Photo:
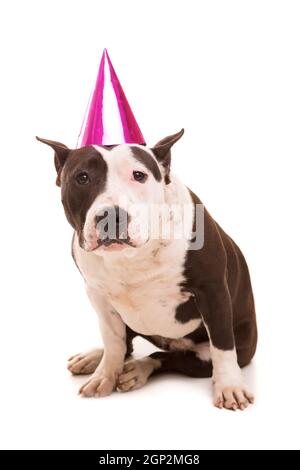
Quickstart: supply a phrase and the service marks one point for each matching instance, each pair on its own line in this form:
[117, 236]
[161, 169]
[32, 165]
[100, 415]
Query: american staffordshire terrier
[195, 304]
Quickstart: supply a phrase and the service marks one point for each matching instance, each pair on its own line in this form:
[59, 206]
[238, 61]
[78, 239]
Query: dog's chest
[149, 306]
[146, 291]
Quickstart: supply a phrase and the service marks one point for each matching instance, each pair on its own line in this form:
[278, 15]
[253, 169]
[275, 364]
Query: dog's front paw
[232, 397]
[98, 386]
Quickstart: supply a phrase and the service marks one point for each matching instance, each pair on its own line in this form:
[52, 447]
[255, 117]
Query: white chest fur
[143, 284]
[144, 288]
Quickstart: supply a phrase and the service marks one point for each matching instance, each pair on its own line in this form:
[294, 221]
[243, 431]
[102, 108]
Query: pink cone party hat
[109, 119]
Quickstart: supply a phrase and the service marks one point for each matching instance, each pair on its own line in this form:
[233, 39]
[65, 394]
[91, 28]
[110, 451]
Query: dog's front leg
[216, 309]
[113, 330]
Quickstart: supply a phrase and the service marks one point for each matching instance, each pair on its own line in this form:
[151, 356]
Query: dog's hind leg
[137, 372]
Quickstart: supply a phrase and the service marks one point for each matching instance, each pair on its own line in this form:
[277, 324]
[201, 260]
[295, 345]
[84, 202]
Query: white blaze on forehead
[121, 161]
[117, 158]
[110, 155]
[124, 152]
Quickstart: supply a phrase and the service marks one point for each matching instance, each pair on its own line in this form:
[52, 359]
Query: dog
[195, 305]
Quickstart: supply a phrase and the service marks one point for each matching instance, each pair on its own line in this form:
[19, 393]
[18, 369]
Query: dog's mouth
[116, 243]
[95, 242]
[111, 228]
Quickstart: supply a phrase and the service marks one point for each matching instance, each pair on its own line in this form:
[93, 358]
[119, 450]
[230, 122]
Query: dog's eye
[139, 176]
[83, 178]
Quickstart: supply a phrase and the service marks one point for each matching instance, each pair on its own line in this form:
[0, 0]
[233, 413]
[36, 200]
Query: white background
[227, 71]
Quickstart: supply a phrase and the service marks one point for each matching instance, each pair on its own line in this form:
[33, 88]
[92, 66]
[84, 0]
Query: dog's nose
[111, 223]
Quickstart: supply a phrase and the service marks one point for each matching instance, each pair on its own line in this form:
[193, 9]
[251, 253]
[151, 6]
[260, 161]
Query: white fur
[142, 284]
[229, 389]
[136, 373]
[123, 191]
[113, 330]
[144, 289]
[202, 351]
[226, 370]
[86, 362]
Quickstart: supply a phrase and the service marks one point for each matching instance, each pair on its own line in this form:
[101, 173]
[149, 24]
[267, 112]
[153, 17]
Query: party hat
[109, 119]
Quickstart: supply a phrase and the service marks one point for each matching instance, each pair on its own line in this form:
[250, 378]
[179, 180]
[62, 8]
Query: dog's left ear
[162, 151]
[60, 157]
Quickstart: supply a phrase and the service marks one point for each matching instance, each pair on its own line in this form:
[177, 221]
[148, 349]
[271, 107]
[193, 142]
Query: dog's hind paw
[135, 374]
[85, 363]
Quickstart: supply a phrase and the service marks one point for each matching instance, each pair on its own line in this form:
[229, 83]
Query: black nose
[112, 224]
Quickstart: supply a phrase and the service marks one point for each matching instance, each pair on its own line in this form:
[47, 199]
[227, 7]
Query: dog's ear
[162, 151]
[60, 157]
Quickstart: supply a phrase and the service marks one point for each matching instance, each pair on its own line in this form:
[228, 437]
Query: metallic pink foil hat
[109, 119]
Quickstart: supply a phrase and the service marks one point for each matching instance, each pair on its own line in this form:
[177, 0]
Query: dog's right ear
[60, 157]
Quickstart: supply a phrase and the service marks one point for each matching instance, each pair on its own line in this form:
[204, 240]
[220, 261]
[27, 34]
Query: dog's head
[105, 189]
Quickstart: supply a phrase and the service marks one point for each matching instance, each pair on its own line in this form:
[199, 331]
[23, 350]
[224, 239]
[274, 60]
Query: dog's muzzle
[112, 226]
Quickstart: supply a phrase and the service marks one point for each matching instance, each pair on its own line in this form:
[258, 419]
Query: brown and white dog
[195, 305]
